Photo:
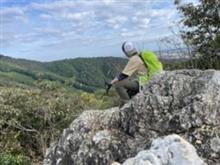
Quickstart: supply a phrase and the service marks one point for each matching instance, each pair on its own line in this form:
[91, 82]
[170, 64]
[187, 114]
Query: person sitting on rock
[145, 64]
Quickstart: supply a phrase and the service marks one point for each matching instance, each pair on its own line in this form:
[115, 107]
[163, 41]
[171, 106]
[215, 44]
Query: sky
[48, 30]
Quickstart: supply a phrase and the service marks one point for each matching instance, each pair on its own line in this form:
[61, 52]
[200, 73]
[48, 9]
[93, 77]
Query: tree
[202, 29]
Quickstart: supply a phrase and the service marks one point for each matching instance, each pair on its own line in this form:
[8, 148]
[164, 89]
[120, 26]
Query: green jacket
[154, 66]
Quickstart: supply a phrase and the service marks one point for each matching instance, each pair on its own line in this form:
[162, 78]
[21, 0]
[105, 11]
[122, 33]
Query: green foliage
[190, 64]
[16, 77]
[10, 159]
[33, 118]
[216, 42]
[87, 74]
[38, 100]
[202, 23]
[48, 85]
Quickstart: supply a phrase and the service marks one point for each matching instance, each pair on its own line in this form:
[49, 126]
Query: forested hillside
[87, 74]
[38, 100]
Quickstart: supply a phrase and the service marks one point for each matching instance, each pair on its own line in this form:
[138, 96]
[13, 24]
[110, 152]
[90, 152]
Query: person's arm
[115, 80]
[129, 69]
[122, 76]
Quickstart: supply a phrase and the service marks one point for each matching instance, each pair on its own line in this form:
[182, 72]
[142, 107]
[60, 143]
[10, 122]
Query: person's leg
[132, 92]
[123, 86]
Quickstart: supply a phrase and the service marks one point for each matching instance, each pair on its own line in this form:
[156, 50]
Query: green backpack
[153, 65]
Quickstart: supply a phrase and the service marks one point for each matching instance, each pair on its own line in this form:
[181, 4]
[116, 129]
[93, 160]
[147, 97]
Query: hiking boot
[122, 103]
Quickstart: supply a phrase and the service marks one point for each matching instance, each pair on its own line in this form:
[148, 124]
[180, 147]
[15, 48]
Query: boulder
[171, 150]
[183, 102]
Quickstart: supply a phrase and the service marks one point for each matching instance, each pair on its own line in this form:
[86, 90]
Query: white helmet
[129, 49]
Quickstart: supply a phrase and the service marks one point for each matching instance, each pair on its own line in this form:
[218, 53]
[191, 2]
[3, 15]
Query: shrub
[32, 118]
[10, 159]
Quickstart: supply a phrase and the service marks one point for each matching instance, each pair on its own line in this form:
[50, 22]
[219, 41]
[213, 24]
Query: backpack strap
[144, 64]
[143, 60]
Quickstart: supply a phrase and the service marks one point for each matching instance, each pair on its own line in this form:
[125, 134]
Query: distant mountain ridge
[87, 74]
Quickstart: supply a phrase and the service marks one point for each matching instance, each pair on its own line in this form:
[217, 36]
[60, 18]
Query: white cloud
[12, 14]
[195, 2]
[134, 18]
[82, 22]
[80, 16]
[54, 6]
[75, 14]
[51, 31]
[108, 2]
[124, 29]
[162, 12]
[144, 23]
[32, 37]
[11, 11]
[69, 34]
[117, 21]
[46, 16]
[127, 34]
[115, 14]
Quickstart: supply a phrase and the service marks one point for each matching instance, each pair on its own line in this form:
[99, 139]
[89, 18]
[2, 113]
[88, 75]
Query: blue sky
[47, 30]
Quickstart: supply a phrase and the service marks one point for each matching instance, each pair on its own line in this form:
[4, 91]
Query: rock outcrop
[184, 102]
[171, 150]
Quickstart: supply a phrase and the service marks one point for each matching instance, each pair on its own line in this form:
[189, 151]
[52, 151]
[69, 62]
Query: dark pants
[126, 88]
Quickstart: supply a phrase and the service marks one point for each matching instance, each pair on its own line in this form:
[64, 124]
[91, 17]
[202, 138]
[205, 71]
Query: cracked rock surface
[184, 102]
[171, 150]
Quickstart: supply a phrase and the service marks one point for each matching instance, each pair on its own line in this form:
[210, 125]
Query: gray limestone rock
[184, 102]
[171, 150]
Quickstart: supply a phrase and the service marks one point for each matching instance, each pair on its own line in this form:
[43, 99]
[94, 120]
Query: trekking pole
[107, 87]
